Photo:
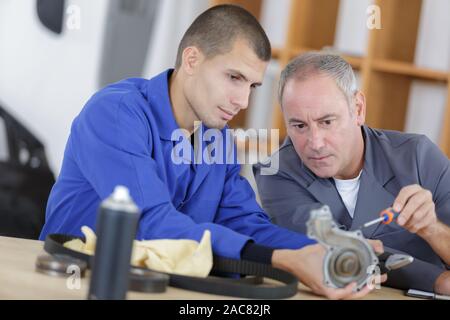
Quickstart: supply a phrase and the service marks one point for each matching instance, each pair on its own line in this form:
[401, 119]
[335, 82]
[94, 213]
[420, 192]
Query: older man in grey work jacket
[330, 157]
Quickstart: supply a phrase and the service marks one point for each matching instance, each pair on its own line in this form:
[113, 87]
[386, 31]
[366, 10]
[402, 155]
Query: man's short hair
[310, 64]
[215, 31]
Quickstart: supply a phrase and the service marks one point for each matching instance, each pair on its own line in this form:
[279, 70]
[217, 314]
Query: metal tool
[426, 295]
[386, 217]
[349, 258]
[397, 261]
[144, 280]
[59, 265]
[393, 261]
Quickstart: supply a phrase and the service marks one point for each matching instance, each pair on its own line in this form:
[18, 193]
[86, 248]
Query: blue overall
[124, 136]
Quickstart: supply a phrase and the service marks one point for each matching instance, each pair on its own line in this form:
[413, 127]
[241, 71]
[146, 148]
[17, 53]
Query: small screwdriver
[386, 216]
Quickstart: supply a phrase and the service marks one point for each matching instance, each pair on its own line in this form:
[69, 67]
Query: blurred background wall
[45, 77]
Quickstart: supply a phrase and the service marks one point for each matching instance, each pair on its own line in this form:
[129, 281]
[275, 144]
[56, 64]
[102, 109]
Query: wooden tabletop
[19, 280]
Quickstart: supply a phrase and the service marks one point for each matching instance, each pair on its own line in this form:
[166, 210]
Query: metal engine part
[349, 257]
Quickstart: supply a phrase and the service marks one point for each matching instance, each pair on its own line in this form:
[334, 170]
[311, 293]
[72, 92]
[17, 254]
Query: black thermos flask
[116, 227]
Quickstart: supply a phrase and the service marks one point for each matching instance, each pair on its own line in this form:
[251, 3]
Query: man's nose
[241, 98]
[316, 139]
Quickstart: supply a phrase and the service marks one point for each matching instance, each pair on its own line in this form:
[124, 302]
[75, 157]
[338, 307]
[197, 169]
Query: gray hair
[313, 63]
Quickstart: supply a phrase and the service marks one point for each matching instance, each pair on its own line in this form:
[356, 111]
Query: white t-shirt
[348, 189]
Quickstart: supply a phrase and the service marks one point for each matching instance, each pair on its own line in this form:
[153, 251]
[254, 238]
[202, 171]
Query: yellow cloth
[184, 257]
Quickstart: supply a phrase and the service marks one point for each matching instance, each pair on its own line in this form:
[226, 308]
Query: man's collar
[374, 158]
[162, 109]
[159, 99]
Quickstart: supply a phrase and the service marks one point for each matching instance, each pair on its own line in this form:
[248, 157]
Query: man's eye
[233, 77]
[300, 126]
[327, 122]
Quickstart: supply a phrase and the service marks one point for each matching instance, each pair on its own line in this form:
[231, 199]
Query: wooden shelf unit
[409, 69]
[387, 69]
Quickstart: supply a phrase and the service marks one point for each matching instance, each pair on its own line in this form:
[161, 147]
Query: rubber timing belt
[249, 287]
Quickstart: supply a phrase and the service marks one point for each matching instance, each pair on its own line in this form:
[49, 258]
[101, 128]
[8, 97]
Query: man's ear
[191, 59]
[360, 108]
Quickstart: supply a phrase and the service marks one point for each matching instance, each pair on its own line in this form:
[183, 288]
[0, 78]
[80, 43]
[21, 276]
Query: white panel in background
[426, 109]
[275, 19]
[45, 79]
[4, 147]
[173, 19]
[351, 27]
[433, 41]
[427, 100]
[259, 114]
